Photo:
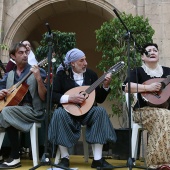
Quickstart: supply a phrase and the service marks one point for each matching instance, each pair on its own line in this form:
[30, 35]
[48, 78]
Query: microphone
[143, 50]
[48, 28]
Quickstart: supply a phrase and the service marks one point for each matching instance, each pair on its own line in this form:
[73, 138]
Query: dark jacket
[63, 83]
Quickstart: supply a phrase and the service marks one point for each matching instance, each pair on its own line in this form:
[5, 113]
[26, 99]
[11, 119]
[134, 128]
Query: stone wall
[14, 13]
[21, 19]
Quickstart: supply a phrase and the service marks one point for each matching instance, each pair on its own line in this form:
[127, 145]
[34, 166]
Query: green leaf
[111, 42]
[61, 43]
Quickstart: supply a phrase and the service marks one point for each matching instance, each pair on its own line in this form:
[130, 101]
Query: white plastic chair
[34, 141]
[2, 135]
[135, 130]
[85, 148]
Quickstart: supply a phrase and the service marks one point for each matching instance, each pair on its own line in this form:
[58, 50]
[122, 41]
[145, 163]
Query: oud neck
[95, 84]
[167, 80]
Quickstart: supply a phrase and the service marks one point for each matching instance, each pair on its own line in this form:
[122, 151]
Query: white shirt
[78, 78]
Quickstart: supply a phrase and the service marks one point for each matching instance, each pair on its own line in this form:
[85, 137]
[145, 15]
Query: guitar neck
[95, 84]
[30, 72]
[25, 77]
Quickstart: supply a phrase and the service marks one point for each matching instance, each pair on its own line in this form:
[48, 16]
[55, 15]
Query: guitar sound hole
[86, 95]
[78, 105]
[156, 95]
[163, 85]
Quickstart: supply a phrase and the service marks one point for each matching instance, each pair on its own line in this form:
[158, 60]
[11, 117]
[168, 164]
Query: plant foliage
[4, 47]
[112, 41]
[61, 43]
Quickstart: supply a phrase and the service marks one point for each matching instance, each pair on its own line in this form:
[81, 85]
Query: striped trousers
[65, 129]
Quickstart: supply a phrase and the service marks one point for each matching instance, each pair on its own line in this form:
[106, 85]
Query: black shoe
[101, 164]
[64, 162]
[133, 161]
[10, 163]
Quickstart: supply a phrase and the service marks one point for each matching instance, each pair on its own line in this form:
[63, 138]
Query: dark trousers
[13, 136]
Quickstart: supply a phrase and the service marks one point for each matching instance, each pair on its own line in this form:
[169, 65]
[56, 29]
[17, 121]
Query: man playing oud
[65, 128]
[30, 108]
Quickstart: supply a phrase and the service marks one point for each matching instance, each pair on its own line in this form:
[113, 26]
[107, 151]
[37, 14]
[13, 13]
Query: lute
[88, 92]
[160, 98]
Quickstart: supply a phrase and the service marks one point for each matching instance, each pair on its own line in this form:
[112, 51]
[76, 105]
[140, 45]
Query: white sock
[97, 151]
[64, 152]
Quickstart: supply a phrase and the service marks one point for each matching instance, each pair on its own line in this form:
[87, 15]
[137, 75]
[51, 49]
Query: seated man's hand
[107, 80]
[36, 71]
[3, 93]
[76, 98]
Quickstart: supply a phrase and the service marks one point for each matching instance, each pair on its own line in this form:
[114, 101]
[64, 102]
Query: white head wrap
[71, 56]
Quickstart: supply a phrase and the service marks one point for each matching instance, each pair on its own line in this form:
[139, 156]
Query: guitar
[160, 98]
[18, 91]
[88, 92]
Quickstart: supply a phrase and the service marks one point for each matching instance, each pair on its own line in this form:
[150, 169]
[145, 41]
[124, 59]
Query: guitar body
[15, 97]
[79, 110]
[18, 91]
[158, 99]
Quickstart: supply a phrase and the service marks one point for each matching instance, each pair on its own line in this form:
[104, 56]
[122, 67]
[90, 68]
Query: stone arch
[24, 12]
[34, 12]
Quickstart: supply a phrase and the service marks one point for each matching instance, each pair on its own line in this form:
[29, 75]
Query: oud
[88, 92]
[160, 98]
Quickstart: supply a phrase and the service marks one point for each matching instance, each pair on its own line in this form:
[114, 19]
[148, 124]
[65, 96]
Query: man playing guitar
[30, 96]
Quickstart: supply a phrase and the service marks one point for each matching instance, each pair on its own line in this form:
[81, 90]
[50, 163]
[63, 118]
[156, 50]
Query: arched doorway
[80, 17]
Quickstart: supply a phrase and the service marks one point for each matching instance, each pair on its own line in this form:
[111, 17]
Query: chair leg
[34, 143]
[134, 142]
[85, 144]
[2, 135]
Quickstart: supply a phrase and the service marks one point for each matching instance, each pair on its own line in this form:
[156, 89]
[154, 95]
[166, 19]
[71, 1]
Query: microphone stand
[129, 37]
[45, 160]
[129, 163]
[0, 75]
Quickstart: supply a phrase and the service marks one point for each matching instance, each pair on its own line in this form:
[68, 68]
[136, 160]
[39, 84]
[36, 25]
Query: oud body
[80, 109]
[160, 98]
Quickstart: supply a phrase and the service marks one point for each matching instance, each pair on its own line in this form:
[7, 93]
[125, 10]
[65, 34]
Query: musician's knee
[100, 112]
[59, 113]
[5, 110]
